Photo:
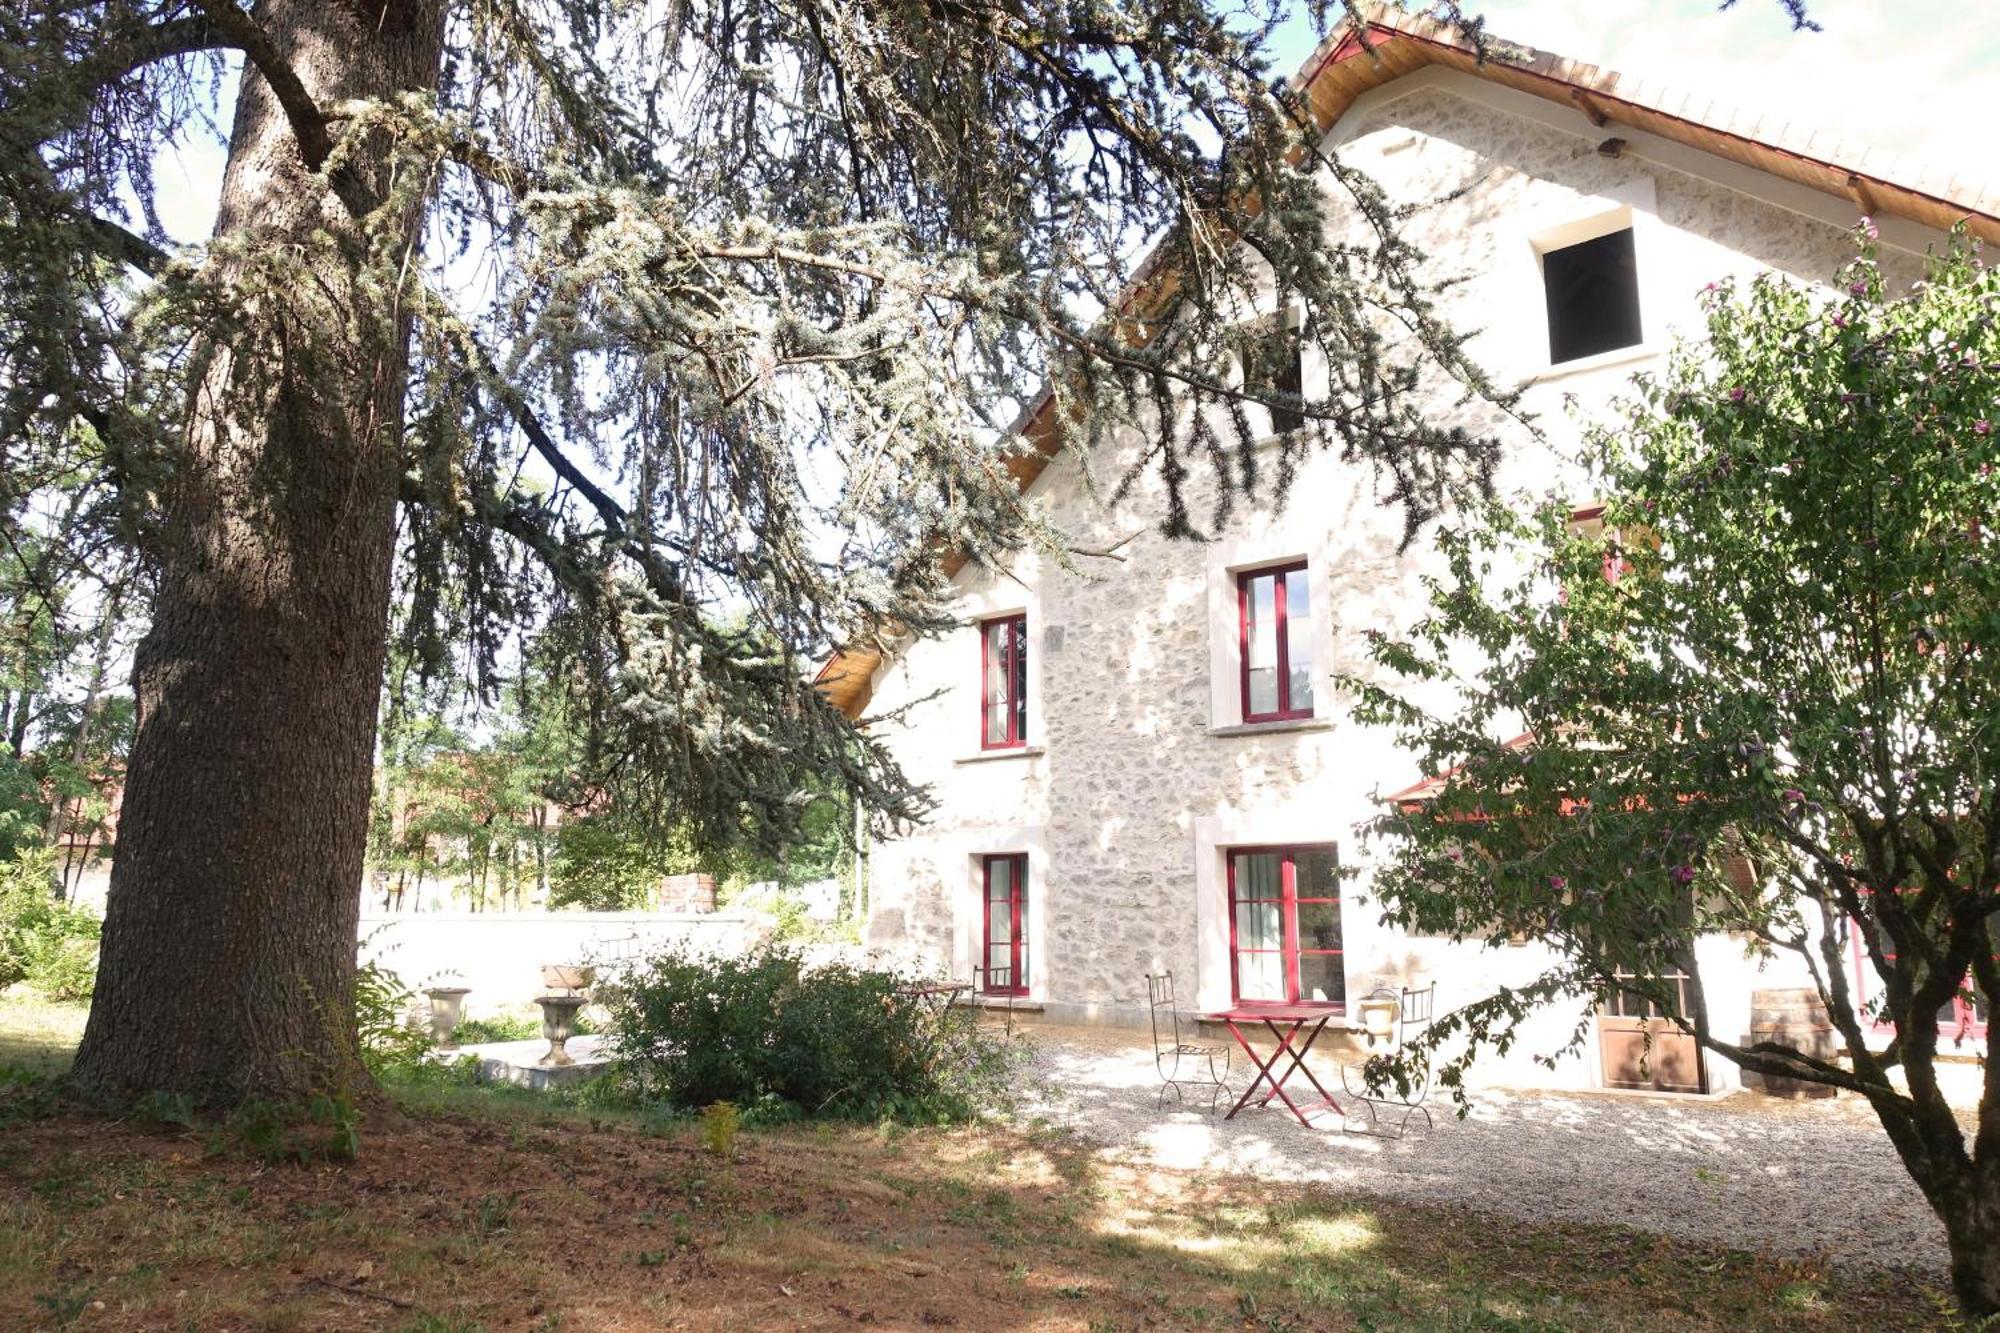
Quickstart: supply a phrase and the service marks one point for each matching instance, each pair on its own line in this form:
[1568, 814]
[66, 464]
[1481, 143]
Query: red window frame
[1965, 1023]
[1286, 710]
[1288, 925]
[1017, 923]
[1014, 663]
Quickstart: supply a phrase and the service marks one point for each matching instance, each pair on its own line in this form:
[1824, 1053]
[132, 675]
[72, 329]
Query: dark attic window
[1273, 360]
[1593, 295]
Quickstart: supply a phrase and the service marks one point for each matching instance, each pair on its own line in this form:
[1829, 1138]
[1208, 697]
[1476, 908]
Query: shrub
[325, 1129]
[512, 1027]
[718, 1127]
[44, 941]
[389, 1039]
[497, 1027]
[780, 1040]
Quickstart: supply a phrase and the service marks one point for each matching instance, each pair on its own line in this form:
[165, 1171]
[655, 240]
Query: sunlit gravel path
[1746, 1172]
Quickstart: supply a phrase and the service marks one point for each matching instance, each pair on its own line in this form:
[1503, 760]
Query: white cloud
[1911, 77]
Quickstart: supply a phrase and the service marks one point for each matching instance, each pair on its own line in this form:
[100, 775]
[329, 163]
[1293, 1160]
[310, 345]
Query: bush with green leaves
[44, 941]
[780, 1040]
[324, 1129]
[389, 1039]
[512, 1027]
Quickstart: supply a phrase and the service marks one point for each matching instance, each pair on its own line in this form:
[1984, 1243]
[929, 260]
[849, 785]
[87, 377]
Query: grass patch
[40, 1035]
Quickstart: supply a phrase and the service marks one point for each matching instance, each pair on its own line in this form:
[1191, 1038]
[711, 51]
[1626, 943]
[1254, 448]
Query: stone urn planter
[1378, 1018]
[571, 977]
[447, 1009]
[1794, 1017]
[558, 1024]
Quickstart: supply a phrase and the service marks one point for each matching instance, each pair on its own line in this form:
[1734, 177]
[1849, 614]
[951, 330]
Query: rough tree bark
[229, 938]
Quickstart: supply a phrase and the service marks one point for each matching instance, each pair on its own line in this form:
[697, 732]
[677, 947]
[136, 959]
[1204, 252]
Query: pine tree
[682, 336]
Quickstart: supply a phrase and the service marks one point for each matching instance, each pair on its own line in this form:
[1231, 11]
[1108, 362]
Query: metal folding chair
[995, 983]
[1413, 1011]
[1172, 1050]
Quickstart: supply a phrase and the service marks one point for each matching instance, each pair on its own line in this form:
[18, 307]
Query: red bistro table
[1272, 1016]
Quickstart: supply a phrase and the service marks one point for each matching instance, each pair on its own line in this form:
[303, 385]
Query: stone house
[1125, 753]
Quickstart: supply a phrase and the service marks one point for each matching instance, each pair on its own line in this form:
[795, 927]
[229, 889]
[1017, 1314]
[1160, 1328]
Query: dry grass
[500, 1219]
[481, 1209]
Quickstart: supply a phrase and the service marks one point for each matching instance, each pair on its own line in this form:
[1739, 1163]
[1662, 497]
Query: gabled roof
[1395, 43]
[1418, 794]
[1398, 43]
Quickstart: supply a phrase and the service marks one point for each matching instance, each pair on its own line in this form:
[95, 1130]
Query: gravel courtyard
[1788, 1177]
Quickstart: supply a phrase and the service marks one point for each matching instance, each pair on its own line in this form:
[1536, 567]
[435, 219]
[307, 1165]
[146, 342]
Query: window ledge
[1021, 1003]
[1282, 724]
[1617, 356]
[1006, 752]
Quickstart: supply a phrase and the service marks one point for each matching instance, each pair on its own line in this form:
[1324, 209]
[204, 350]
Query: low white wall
[499, 955]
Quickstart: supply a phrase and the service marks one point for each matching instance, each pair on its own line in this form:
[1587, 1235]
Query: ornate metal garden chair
[1409, 1012]
[1181, 1062]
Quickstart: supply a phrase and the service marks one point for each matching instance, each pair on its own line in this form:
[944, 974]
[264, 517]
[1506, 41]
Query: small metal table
[934, 1001]
[934, 997]
[1284, 1022]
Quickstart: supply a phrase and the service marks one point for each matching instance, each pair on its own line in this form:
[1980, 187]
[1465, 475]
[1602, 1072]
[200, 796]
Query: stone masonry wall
[1127, 794]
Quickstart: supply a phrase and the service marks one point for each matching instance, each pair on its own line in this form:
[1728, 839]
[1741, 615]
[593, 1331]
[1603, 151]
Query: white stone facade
[1138, 777]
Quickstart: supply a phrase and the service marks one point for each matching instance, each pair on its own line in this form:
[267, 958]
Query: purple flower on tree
[1683, 873]
[1558, 883]
[1738, 394]
[1982, 427]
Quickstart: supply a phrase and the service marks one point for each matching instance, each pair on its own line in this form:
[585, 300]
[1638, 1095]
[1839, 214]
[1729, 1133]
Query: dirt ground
[478, 1212]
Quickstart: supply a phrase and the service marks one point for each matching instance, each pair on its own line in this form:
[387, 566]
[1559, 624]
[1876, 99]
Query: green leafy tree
[604, 865]
[43, 941]
[63, 625]
[1781, 654]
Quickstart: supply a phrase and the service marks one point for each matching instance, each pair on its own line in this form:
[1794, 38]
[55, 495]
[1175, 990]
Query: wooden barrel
[1795, 1017]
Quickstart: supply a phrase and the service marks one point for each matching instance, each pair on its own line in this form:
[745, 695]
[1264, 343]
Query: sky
[1916, 77]
[1919, 77]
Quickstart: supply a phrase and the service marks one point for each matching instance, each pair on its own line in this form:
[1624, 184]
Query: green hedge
[782, 1040]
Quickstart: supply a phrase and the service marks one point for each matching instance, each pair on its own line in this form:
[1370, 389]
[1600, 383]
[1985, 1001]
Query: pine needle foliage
[722, 318]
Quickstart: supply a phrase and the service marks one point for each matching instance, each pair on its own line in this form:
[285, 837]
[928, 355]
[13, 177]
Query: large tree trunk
[229, 936]
[1973, 1239]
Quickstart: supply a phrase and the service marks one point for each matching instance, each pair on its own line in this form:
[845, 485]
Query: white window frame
[1215, 836]
[964, 648]
[968, 908]
[1313, 376]
[1632, 206]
